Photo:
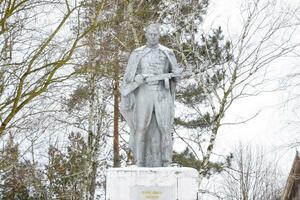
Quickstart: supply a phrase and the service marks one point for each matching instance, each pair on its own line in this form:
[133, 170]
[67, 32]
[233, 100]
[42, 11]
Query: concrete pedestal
[161, 183]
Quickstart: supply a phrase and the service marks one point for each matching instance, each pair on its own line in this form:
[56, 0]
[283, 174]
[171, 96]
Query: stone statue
[147, 100]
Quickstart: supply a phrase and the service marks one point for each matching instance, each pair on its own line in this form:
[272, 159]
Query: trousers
[154, 119]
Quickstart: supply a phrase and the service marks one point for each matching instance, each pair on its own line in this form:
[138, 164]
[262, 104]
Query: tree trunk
[116, 117]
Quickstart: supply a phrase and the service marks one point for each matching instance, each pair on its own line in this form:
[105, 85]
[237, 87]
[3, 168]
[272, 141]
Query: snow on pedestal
[161, 183]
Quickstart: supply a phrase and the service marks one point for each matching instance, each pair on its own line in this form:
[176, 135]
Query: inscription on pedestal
[154, 193]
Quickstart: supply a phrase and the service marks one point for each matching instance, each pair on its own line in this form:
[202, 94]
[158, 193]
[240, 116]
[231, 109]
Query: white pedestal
[161, 183]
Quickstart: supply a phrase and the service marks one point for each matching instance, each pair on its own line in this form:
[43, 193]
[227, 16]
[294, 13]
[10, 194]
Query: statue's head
[152, 34]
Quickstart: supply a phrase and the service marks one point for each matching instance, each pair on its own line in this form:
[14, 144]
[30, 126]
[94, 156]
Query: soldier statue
[147, 100]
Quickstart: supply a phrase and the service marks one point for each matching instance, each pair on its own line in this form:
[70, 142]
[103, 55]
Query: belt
[154, 87]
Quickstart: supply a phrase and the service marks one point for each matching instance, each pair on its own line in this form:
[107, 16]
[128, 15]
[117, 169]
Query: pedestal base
[161, 183]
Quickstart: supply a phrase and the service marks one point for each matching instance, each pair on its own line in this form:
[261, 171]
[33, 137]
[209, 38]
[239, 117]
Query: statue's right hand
[139, 79]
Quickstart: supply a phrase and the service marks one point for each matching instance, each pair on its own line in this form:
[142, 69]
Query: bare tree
[34, 56]
[253, 175]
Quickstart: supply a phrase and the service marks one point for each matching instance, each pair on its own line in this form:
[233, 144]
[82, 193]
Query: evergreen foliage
[18, 178]
[65, 171]
[188, 159]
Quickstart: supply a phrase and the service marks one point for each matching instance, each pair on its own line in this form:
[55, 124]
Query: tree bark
[116, 117]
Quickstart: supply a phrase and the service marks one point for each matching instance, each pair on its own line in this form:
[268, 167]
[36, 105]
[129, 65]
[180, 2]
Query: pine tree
[66, 170]
[188, 159]
[17, 181]
[195, 94]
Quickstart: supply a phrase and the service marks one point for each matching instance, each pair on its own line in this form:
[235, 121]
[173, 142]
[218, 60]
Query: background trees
[252, 176]
[40, 44]
[230, 69]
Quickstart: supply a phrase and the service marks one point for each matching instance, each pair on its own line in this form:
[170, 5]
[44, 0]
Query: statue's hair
[153, 25]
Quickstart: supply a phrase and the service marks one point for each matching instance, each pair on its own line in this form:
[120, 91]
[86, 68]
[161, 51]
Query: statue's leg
[164, 115]
[153, 146]
[144, 109]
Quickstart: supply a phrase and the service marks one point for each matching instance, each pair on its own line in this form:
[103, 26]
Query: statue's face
[152, 35]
